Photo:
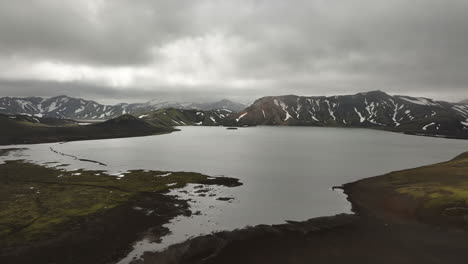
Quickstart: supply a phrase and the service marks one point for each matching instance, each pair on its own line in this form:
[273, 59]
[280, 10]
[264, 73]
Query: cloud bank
[198, 50]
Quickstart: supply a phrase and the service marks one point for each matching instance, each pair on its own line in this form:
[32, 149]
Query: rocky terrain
[369, 110]
[76, 108]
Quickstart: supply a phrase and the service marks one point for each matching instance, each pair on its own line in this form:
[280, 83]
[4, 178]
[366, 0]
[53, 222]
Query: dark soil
[102, 238]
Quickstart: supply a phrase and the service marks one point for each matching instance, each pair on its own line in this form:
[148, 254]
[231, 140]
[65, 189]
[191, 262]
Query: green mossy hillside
[436, 193]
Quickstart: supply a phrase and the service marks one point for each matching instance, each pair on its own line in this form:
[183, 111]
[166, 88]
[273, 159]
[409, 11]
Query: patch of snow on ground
[419, 101]
[361, 118]
[395, 113]
[79, 109]
[313, 116]
[241, 116]
[283, 106]
[332, 113]
[461, 109]
[23, 104]
[428, 125]
[52, 107]
[142, 116]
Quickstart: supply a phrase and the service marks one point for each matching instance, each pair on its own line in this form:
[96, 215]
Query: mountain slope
[75, 108]
[60, 107]
[184, 117]
[373, 110]
[223, 104]
[26, 130]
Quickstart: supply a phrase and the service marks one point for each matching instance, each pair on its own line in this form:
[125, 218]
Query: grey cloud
[110, 95]
[121, 32]
[413, 47]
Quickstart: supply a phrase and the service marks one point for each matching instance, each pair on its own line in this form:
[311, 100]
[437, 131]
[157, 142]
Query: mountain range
[76, 108]
[374, 109]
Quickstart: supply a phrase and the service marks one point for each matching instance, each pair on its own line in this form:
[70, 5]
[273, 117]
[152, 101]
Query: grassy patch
[38, 202]
[438, 187]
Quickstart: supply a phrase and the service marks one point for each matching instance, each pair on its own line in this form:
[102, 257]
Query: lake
[287, 172]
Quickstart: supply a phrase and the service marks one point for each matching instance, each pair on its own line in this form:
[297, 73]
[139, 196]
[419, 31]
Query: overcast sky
[134, 50]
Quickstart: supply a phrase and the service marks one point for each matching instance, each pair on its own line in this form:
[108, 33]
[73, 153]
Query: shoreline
[393, 214]
[86, 216]
[410, 133]
[389, 225]
[61, 140]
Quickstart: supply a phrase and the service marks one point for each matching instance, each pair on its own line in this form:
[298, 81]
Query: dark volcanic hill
[76, 108]
[25, 129]
[372, 110]
[184, 117]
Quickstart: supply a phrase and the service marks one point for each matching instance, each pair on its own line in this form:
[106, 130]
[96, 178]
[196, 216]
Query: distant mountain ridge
[374, 109]
[76, 108]
[22, 129]
[186, 117]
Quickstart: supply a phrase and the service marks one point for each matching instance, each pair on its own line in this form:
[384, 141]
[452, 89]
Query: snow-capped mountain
[75, 108]
[60, 107]
[372, 109]
[222, 104]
